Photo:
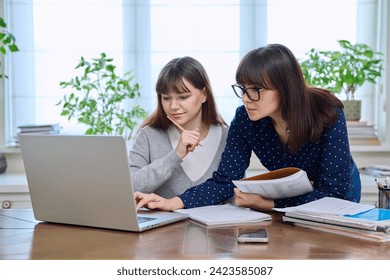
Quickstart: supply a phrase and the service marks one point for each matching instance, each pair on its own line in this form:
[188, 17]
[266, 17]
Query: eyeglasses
[253, 93]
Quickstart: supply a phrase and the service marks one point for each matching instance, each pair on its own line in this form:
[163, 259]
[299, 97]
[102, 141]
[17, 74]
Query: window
[143, 35]
[207, 30]
[52, 36]
[305, 24]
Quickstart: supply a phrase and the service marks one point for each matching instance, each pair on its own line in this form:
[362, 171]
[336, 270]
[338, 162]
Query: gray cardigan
[156, 167]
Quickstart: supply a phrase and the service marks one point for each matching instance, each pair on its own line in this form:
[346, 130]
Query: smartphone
[259, 236]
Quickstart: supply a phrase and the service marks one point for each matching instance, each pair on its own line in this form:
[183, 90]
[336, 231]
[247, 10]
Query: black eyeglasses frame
[244, 90]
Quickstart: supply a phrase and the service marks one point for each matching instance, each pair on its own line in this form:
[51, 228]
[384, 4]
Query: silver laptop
[85, 180]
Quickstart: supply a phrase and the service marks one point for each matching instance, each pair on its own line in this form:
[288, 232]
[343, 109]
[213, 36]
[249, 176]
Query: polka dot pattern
[327, 162]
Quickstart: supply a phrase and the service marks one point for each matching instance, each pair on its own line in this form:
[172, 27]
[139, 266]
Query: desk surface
[22, 237]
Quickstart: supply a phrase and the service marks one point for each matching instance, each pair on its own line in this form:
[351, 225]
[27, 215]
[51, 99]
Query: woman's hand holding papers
[154, 201]
[253, 201]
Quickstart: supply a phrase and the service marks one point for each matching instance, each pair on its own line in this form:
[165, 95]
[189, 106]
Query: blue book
[375, 214]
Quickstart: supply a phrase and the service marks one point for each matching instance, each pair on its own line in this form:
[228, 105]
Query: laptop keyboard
[142, 219]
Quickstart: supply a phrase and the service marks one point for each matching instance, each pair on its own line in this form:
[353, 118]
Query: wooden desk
[21, 237]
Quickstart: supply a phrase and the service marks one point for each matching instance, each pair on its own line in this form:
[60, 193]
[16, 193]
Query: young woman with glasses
[286, 124]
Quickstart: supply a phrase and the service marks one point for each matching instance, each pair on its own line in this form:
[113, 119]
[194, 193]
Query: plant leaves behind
[100, 98]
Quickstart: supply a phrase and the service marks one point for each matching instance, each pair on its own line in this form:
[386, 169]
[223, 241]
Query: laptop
[85, 180]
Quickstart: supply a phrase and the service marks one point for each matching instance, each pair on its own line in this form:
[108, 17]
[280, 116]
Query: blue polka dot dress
[327, 162]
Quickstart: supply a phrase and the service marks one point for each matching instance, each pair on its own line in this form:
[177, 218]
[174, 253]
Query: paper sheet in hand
[226, 214]
[281, 183]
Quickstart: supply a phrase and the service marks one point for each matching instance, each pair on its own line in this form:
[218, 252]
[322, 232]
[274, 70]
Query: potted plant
[7, 42]
[97, 97]
[344, 71]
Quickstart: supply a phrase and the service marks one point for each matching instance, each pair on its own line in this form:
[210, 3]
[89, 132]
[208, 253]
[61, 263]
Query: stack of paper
[342, 217]
[226, 214]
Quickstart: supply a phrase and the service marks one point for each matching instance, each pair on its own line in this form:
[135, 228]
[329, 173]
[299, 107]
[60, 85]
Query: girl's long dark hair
[307, 110]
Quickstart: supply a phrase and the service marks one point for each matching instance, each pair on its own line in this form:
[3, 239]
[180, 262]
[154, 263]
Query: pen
[379, 184]
[175, 123]
[178, 126]
[382, 188]
[387, 182]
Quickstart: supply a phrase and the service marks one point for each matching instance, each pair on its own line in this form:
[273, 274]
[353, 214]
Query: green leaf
[346, 69]
[101, 95]
[2, 23]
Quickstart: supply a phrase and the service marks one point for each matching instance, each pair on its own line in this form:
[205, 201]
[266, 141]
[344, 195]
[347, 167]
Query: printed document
[281, 183]
[329, 205]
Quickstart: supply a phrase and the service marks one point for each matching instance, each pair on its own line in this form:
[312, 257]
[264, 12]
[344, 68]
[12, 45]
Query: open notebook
[225, 215]
[84, 180]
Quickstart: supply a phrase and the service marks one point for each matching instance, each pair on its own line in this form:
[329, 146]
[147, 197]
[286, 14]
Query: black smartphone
[257, 236]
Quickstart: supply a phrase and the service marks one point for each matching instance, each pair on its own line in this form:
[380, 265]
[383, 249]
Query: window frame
[254, 36]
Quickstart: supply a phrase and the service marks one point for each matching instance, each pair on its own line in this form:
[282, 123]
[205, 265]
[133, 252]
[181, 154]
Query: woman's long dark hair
[171, 80]
[307, 110]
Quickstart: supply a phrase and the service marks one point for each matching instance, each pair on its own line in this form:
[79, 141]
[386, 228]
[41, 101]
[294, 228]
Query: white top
[195, 164]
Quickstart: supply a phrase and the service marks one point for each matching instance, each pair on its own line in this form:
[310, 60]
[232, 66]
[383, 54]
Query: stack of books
[372, 224]
[38, 129]
[360, 133]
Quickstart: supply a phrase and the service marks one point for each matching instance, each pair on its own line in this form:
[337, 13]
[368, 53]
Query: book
[375, 219]
[341, 216]
[38, 128]
[357, 124]
[54, 128]
[360, 133]
[369, 235]
[276, 184]
[224, 215]
[364, 141]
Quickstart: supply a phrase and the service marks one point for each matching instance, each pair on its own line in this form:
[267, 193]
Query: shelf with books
[37, 128]
[361, 133]
[383, 147]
